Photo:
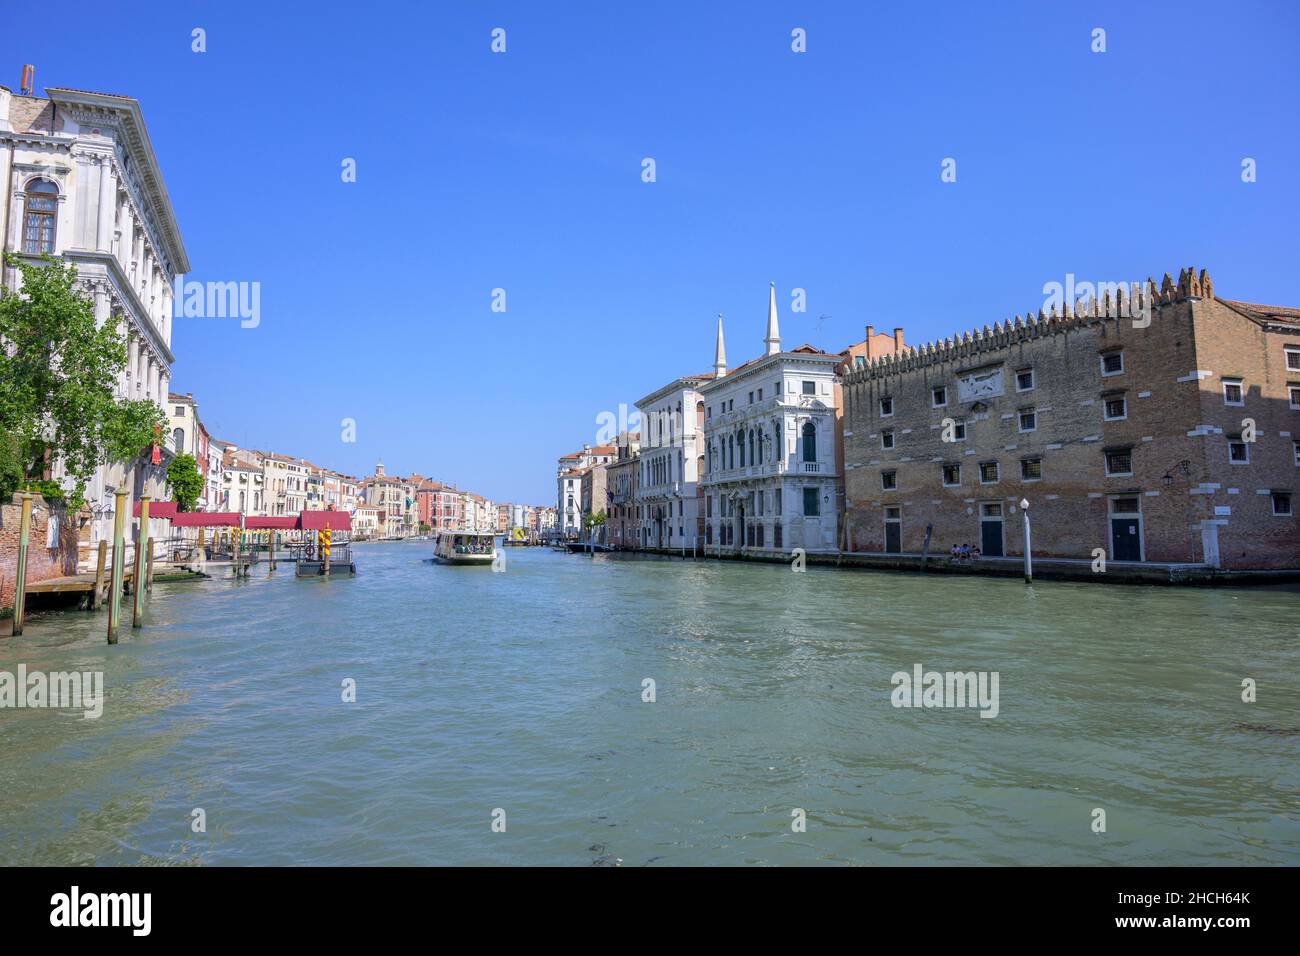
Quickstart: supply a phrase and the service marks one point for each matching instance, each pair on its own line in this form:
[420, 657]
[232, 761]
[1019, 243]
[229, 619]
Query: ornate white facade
[88, 158]
[672, 454]
[770, 450]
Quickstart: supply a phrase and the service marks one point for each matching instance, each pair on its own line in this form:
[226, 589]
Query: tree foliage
[58, 373]
[186, 481]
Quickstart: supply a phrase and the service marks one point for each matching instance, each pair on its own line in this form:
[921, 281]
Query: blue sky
[522, 171]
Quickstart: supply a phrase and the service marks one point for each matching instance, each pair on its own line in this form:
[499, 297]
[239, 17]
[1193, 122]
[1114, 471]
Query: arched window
[752, 459]
[740, 440]
[40, 216]
[809, 442]
[731, 451]
[178, 440]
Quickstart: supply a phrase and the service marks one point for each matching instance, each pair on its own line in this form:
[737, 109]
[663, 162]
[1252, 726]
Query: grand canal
[523, 692]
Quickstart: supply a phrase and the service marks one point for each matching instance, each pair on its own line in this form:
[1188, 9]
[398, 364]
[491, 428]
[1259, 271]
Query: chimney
[28, 81]
[898, 340]
[871, 330]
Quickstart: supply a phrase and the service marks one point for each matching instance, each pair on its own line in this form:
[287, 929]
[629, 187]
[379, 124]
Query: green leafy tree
[593, 520]
[186, 481]
[57, 378]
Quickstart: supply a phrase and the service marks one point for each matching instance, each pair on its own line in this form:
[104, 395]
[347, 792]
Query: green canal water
[523, 692]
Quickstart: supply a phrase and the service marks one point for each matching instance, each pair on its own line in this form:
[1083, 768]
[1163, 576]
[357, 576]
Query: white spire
[720, 355]
[773, 339]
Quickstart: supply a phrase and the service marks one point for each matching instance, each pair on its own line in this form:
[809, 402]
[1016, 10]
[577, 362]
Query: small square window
[1119, 461]
[1238, 451]
[886, 407]
[810, 388]
[1282, 504]
[939, 396]
[887, 438]
[952, 473]
[1294, 392]
[1293, 357]
[1031, 469]
[889, 480]
[1024, 380]
[1116, 407]
[1028, 419]
[959, 431]
[1232, 393]
[988, 472]
[1112, 363]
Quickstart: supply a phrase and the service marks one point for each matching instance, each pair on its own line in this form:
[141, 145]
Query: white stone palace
[81, 182]
[672, 455]
[770, 471]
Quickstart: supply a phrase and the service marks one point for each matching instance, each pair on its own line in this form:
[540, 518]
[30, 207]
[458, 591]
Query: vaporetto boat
[465, 547]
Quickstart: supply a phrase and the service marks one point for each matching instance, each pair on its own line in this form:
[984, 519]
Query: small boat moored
[465, 547]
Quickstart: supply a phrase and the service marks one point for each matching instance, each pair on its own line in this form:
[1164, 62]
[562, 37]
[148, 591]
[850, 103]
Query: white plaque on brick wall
[977, 385]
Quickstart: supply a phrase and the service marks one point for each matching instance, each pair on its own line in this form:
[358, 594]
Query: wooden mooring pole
[138, 577]
[100, 566]
[20, 584]
[148, 578]
[119, 555]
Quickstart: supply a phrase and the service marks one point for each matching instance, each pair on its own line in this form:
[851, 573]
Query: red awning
[317, 520]
[206, 519]
[278, 522]
[157, 509]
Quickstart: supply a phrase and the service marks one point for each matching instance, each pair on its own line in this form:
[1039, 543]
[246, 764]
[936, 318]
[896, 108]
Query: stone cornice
[768, 362]
[123, 115]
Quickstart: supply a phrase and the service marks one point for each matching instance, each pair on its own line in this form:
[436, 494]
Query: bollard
[20, 584]
[325, 552]
[119, 555]
[138, 576]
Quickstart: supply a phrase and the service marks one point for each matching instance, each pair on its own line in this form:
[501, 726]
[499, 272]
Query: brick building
[1157, 426]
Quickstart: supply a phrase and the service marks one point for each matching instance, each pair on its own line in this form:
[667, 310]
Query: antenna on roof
[28, 81]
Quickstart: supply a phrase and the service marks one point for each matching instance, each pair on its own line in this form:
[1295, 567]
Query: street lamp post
[1029, 560]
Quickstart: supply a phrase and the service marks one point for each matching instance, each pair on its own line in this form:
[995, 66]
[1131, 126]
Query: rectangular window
[887, 438]
[760, 394]
[988, 472]
[1293, 357]
[1238, 451]
[812, 506]
[777, 531]
[1124, 506]
[1031, 469]
[1232, 393]
[1119, 461]
[951, 476]
[777, 502]
[1115, 407]
[1282, 504]
[1025, 380]
[1028, 420]
[751, 398]
[889, 480]
[1295, 448]
[939, 396]
[886, 407]
[810, 388]
[959, 430]
[1112, 363]
[778, 388]
[1294, 392]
